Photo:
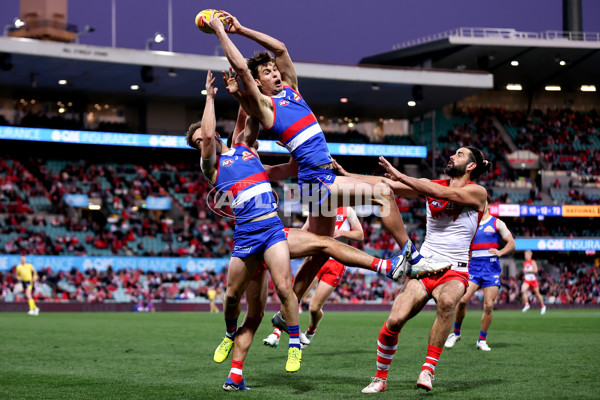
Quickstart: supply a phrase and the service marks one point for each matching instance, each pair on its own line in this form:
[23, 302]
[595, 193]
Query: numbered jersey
[297, 128]
[244, 183]
[451, 228]
[486, 238]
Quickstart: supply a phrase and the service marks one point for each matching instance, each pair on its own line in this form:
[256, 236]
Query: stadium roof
[567, 59]
[372, 92]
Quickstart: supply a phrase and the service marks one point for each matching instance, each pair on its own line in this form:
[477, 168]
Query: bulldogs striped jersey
[451, 228]
[297, 128]
[486, 238]
[242, 178]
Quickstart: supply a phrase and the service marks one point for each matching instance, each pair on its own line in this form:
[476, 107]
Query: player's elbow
[240, 67]
[279, 49]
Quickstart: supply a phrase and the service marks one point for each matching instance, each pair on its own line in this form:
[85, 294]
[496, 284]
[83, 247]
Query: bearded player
[454, 209]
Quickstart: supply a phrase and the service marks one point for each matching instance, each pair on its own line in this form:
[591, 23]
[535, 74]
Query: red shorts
[431, 282]
[532, 284]
[331, 272]
[261, 268]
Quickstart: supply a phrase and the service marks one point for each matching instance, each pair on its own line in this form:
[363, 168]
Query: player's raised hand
[392, 173]
[232, 83]
[215, 21]
[211, 90]
[339, 168]
[233, 25]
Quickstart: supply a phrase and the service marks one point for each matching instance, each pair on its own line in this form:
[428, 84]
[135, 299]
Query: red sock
[387, 343]
[311, 330]
[433, 356]
[381, 266]
[236, 371]
[276, 332]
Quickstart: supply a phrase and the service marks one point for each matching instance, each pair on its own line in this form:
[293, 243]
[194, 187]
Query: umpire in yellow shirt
[27, 275]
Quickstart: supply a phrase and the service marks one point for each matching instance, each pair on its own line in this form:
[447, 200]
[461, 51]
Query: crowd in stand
[481, 133]
[565, 139]
[574, 283]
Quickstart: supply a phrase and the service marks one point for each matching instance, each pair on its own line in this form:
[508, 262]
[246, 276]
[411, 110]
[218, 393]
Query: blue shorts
[314, 185]
[257, 236]
[485, 271]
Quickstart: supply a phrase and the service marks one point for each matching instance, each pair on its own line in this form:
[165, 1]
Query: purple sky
[319, 31]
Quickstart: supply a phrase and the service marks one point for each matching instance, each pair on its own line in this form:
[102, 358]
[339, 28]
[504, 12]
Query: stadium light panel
[344, 100]
[553, 88]
[157, 38]
[62, 82]
[562, 63]
[412, 103]
[514, 63]
[203, 92]
[134, 87]
[514, 86]
[94, 207]
[588, 88]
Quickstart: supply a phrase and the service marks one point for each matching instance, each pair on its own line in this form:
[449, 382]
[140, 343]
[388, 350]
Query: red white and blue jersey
[486, 238]
[297, 128]
[528, 270]
[243, 179]
[451, 228]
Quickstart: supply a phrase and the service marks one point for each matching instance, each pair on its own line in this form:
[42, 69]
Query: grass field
[169, 356]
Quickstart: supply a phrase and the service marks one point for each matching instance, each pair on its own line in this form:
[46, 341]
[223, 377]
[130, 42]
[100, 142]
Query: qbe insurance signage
[558, 244]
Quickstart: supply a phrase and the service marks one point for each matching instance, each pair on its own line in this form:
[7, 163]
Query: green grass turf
[169, 356]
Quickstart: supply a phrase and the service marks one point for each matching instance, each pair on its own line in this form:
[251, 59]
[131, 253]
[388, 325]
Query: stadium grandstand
[99, 189]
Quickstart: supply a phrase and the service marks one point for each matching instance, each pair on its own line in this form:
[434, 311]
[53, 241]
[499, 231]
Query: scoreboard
[518, 210]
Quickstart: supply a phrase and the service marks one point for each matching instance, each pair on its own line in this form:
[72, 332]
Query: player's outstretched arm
[257, 104]
[250, 133]
[240, 124]
[233, 87]
[470, 195]
[282, 57]
[398, 188]
[209, 124]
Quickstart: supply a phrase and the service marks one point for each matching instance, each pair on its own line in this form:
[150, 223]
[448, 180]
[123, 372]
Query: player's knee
[284, 291]
[394, 323]
[462, 304]
[446, 306]
[488, 308]
[253, 322]
[314, 308]
[232, 298]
